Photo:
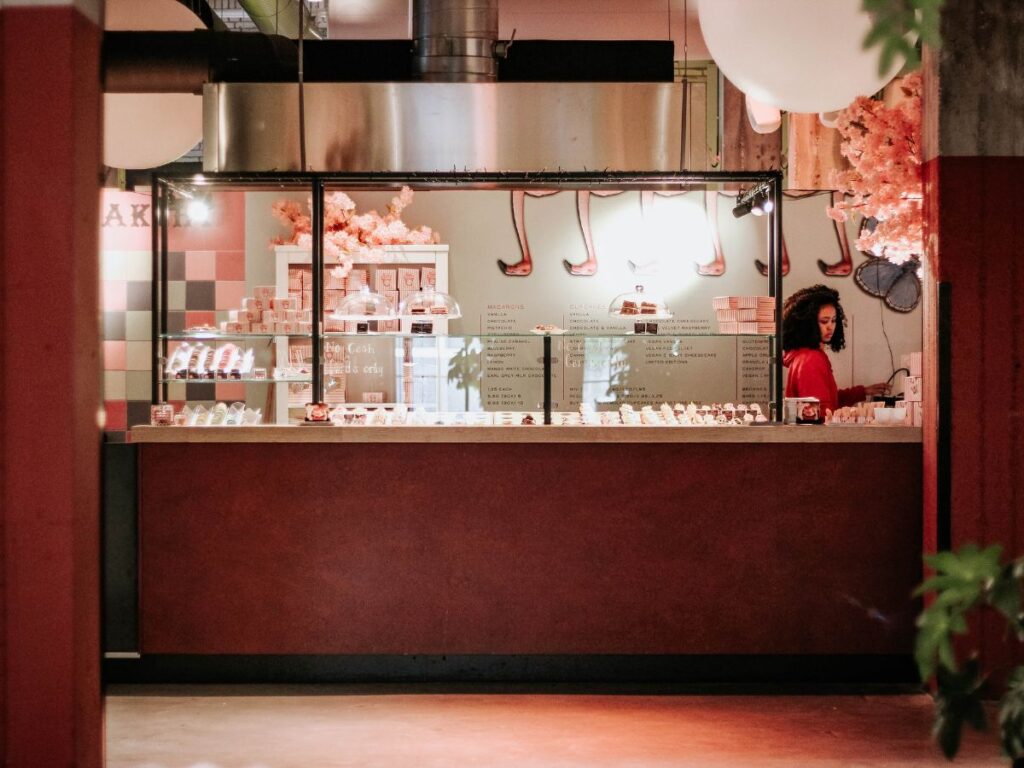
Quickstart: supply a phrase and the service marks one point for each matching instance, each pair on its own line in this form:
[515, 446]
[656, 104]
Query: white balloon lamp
[147, 130]
[798, 55]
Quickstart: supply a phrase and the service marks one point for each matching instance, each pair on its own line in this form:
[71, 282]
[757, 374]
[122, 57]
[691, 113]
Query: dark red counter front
[529, 548]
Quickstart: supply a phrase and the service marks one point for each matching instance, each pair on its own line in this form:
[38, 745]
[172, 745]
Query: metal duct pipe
[455, 40]
[183, 62]
[279, 17]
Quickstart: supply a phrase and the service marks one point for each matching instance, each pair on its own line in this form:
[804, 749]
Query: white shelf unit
[390, 256]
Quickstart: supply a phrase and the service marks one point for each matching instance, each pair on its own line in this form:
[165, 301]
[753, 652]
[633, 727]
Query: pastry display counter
[559, 467]
[769, 433]
[348, 541]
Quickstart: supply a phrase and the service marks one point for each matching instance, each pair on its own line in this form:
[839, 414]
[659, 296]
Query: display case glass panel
[483, 299]
[228, 328]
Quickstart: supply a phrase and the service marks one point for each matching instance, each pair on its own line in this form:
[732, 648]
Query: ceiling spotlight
[198, 211]
[742, 209]
[197, 207]
[756, 200]
[762, 204]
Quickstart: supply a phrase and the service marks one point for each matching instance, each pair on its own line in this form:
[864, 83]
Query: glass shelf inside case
[584, 380]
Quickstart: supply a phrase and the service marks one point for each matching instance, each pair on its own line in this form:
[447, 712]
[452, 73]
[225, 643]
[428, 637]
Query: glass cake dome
[638, 305]
[429, 303]
[364, 305]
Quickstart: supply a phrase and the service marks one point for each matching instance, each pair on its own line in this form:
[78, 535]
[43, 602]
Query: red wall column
[974, 146]
[50, 703]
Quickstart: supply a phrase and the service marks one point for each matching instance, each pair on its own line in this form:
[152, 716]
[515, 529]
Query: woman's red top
[810, 375]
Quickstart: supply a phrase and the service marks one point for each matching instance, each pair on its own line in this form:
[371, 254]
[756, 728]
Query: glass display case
[380, 333]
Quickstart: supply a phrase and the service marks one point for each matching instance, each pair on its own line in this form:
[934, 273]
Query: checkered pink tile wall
[202, 282]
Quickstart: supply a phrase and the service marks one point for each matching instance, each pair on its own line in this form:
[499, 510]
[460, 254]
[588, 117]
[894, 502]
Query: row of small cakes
[664, 415]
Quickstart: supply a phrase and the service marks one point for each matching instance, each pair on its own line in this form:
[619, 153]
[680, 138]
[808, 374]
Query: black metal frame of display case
[164, 184]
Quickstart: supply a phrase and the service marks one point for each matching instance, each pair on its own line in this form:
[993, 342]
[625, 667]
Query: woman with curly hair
[813, 319]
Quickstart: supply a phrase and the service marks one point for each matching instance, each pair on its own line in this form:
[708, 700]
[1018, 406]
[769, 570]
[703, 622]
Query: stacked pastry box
[745, 314]
[267, 313]
[300, 357]
[912, 387]
[335, 352]
[300, 285]
[394, 283]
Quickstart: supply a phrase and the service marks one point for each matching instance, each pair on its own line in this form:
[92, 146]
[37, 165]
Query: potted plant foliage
[967, 583]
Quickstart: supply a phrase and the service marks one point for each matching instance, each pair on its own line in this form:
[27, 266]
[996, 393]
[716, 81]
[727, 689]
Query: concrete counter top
[527, 434]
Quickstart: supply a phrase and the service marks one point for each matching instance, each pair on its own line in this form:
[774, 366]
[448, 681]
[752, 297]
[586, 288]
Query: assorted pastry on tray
[665, 415]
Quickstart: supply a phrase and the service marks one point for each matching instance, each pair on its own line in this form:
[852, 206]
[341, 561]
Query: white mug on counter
[803, 410]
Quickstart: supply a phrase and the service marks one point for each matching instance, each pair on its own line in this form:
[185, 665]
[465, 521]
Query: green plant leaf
[947, 733]
[1011, 716]
[958, 700]
[933, 644]
[947, 657]
[888, 56]
[948, 562]
[968, 562]
[1004, 596]
[936, 583]
[898, 25]
[962, 596]
[958, 623]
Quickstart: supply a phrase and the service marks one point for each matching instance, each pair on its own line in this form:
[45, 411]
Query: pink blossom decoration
[883, 144]
[349, 236]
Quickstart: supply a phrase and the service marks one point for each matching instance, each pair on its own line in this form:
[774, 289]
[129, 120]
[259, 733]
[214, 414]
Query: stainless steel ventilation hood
[428, 127]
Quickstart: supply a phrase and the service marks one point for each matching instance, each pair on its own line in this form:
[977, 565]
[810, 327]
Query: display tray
[774, 433]
[566, 333]
[247, 380]
[208, 335]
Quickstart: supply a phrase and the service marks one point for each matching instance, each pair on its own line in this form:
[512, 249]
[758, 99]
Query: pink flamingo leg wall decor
[646, 201]
[844, 266]
[715, 268]
[763, 268]
[524, 266]
[588, 267]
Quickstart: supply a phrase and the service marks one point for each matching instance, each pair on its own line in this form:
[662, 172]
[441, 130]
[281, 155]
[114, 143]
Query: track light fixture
[756, 200]
[742, 209]
[197, 207]
[198, 211]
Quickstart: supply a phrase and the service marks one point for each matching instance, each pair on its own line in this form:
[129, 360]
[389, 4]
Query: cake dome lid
[363, 305]
[429, 303]
[638, 304]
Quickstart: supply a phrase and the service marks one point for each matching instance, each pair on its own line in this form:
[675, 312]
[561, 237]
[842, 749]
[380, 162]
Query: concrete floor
[325, 727]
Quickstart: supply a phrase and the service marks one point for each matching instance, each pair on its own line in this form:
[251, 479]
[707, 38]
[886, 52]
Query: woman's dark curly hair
[800, 319]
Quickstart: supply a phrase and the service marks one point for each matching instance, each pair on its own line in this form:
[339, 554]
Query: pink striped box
[386, 280]
[408, 279]
[356, 280]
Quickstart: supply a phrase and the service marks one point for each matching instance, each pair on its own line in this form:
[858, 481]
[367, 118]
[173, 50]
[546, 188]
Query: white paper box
[916, 414]
[912, 389]
[912, 362]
